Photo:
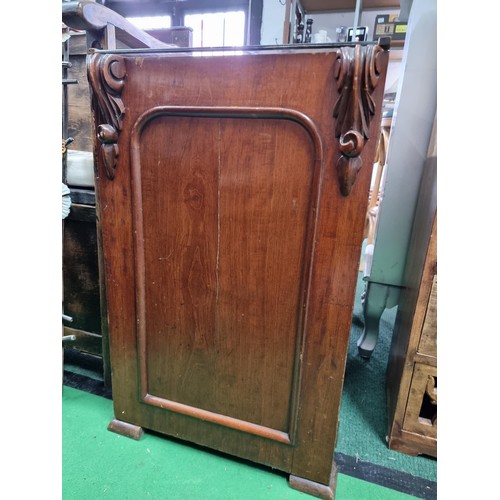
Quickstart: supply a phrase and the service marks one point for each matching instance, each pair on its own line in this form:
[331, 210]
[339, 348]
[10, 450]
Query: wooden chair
[376, 194]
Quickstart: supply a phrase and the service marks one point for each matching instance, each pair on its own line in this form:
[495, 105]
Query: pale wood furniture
[232, 201]
[412, 367]
[376, 192]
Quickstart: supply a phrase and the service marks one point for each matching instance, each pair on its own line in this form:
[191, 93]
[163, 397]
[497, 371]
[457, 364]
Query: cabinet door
[232, 222]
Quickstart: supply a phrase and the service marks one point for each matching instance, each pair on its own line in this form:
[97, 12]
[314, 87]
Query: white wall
[273, 22]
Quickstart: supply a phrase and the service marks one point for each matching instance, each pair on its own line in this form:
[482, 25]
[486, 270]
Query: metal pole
[359, 5]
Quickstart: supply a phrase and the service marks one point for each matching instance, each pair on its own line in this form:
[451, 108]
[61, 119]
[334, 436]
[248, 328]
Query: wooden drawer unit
[428, 337]
[232, 200]
[421, 411]
[412, 368]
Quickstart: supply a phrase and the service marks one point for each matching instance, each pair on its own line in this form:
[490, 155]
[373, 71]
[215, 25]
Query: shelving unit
[339, 5]
[297, 11]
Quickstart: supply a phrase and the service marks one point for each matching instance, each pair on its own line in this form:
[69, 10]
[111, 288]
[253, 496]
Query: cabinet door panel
[223, 255]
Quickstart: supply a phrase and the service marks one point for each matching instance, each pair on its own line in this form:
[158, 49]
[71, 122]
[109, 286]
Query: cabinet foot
[377, 298]
[318, 490]
[126, 429]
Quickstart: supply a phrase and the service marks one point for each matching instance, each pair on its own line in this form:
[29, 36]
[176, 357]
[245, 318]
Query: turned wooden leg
[318, 490]
[377, 298]
[126, 429]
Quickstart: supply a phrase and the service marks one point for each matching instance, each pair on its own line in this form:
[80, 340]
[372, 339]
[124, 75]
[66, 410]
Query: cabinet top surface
[245, 50]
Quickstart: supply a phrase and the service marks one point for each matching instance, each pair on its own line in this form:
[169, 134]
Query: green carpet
[363, 413]
[99, 464]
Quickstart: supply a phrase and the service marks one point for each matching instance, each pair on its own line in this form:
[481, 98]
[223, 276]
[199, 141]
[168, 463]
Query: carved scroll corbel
[357, 73]
[106, 74]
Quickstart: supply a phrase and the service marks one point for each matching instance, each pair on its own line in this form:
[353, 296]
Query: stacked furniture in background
[89, 24]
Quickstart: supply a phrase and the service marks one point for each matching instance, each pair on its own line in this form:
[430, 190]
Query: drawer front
[428, 338]
[421, 411]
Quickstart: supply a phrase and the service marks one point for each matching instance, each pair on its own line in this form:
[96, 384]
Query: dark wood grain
[83, 265]
[79, 117]
[231, 254]
[80, 270]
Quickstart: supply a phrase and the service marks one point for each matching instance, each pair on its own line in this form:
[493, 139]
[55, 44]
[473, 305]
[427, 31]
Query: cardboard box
[388, 25]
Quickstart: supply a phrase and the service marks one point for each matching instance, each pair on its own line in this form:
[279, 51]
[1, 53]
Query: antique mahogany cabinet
[232, 188]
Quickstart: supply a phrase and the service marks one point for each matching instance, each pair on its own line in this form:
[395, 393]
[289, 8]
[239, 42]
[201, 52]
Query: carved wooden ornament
[357, 76]
[106, 75]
